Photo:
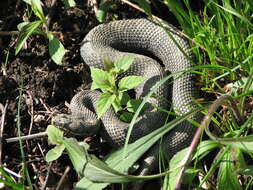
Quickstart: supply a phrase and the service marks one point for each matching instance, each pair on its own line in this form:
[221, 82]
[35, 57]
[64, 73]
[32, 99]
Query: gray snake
[156, 55]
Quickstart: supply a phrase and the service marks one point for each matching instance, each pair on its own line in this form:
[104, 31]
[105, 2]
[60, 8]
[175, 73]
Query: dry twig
[59, 186]
[26, 137]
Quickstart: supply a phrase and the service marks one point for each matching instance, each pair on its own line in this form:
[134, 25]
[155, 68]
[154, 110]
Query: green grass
[25, 173]
[221, 35]
[7, 179]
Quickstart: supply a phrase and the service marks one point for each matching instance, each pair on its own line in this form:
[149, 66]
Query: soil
[34, 88]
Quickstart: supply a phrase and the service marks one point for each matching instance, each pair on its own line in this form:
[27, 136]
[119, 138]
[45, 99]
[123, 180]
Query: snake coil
[156, 55]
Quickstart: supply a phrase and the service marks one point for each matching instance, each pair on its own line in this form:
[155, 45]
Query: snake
[157, 51]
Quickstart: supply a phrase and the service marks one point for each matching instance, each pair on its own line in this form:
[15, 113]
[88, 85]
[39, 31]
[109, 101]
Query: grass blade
[25, 32]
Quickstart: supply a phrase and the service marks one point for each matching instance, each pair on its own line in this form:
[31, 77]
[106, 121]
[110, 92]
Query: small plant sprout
[114, 93]
[40, 27]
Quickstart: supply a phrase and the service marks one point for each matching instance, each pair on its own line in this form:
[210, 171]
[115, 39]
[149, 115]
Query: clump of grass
[221, 36]
[224, 31]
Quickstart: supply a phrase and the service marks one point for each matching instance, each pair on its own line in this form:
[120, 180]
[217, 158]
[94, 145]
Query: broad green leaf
[120, 101]
[227, 178]
[101, 172]
[104, 103]
[176, 163]
[101, 79]
[86, 184]
[102, 11]
[145, 4]
[55, 153]
[55, 135]
[116, 106]
[244, 143]
[56, 50]
[130, 82]
[26, 31]
[37, 9]
[77, 154]
[94, 86]
[124, 98]
[189, 175]
[69, 3]
[123, 64]
[50, 36]
[85, 145]
[204, 148]
[126, 117]
[133, 105]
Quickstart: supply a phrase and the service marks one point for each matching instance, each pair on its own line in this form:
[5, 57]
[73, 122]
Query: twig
[12, 173]
[134, 6]
[8, 33]
[63, 178]
[41, 151]
[45, 106]
[3, 109]
[47, 176]
[204, 124]
[26, 137]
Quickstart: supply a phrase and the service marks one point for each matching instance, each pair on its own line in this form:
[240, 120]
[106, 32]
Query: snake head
[76, 124]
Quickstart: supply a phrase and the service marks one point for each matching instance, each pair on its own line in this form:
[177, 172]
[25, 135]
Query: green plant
[40, 27]
[115, 93]
[103, 9]
[26, 179]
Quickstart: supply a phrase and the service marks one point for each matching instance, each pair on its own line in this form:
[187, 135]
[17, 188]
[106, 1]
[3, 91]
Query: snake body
[156, 55]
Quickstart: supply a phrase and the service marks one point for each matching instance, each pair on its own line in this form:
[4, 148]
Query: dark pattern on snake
[144, 40]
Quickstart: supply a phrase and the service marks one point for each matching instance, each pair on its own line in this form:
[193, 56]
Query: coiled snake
[155, 54]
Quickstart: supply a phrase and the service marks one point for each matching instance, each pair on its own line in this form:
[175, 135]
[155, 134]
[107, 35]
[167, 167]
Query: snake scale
[156, 55]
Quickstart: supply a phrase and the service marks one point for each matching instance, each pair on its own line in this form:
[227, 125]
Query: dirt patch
[34, 88]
